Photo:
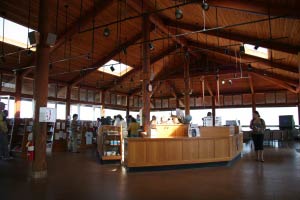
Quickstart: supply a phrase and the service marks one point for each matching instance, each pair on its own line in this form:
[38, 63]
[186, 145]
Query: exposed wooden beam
[74, 28]
[246, 57]
[259, 7]
[231, 35]
[276, 82]
[155, 19]
[209, 89]
[138, 69]
[94, 67]
[174, 92]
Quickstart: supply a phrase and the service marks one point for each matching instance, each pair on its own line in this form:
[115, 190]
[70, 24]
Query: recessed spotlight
[106, 32]
[151, 46]
[178, 13]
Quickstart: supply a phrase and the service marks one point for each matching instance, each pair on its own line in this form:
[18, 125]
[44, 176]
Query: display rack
[50, 135]
[60, 136]
[110, 143]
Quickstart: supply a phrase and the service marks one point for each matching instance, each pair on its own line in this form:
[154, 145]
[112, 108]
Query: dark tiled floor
[80, 176]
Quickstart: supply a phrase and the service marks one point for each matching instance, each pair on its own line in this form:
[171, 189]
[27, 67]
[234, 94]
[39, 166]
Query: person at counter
[258, 126]
[133, 128]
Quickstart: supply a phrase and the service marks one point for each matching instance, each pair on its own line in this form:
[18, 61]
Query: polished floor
[80, 176]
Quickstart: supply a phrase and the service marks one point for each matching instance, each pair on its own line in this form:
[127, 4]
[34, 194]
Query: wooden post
[253, 103]
[103, 103]
[146, 26]
[187, 84]
[39, 166]
[18, 95]
[127, 107]
[68, 101]
[213, 107]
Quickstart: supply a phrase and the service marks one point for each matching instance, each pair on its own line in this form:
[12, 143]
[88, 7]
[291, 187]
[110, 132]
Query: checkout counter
[172, 146]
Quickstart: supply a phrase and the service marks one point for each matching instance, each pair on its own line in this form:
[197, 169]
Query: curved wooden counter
[142, 152]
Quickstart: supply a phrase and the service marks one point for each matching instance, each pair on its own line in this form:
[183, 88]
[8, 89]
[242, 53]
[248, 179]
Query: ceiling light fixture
[230, 82]
[250, 67]
[205, 5]
[178, 13]
[223, 82]
[256, 47]
[151, 46]
[106, 32]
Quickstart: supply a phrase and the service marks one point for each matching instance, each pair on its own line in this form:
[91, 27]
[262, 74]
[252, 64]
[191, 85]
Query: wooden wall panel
[270, 98]
[292, 98]
[280, 97]
[237, 99]
[260, 98]
[198, 101]
[228, 100]
[247, 99]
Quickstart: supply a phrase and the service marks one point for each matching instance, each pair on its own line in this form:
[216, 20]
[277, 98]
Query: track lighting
[205, 6]
[112, 68]
[124, 50]
[106, 32]
[230, 82]
[223, 82]
[178, 13]
[151, 46]
[242, 49]
[256, 47]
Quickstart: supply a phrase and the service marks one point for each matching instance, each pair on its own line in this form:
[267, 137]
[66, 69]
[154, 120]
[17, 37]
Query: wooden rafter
[248, 58]
[277, 82]
[234, 36]
[139, 68]
[174, 92]
[94, 67]
[73, 29]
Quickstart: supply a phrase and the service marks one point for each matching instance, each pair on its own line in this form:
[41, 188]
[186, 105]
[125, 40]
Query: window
[86, 113]
[26, 108]
[14, 33]
[97, 113]
[61, 111]
[256, 51]
[50, 105]
[112, 113]
[115, 68]
[74, 110]
[10, 105]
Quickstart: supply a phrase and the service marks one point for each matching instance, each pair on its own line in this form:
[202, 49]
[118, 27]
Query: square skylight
[115, 68]
[14, 34]
[256, 51]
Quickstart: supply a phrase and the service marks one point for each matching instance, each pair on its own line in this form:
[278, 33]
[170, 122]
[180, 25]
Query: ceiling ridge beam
[94, 67]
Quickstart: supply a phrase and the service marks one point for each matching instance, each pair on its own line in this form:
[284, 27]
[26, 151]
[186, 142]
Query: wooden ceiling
[212, 37]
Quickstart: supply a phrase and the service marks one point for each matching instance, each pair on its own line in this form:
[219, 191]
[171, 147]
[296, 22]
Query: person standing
[133, 128]
[258, 126]
[4, 152]
[74, 134]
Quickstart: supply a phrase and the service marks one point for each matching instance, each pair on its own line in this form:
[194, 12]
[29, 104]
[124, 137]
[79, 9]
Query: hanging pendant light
[151, 46]
[205, 5]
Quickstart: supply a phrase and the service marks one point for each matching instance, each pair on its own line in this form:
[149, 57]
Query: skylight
[14, 33]
[256, 51]
[115, 68]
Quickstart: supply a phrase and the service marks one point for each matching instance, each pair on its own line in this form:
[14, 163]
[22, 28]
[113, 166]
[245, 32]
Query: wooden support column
[103, 103]
[187, 84]
[146, 27]
[127, 106]
[19, 78]
[253, 102]
[213, 108]
[68, 102]
[39, 166]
